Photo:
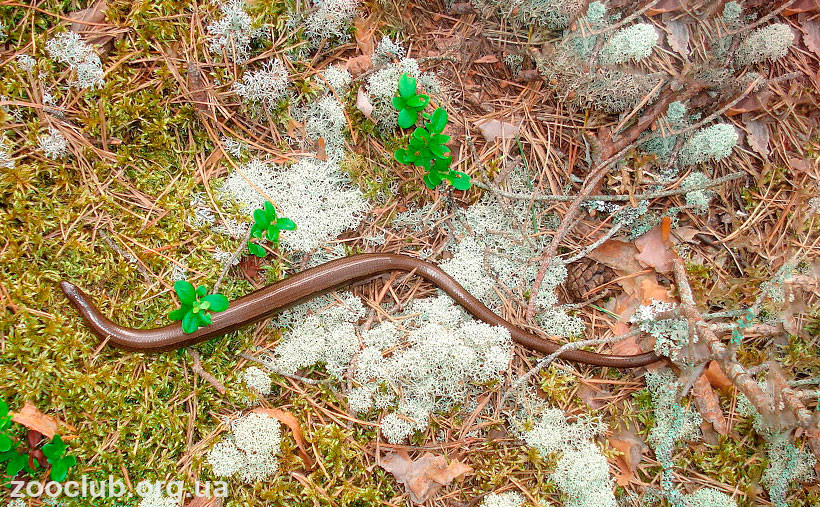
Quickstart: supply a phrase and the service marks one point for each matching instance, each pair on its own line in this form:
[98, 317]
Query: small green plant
[742, 323]
[55, 452]
[427, 149]
[409, 103]
[6, 441]
[266, 222]
[14, 460]
[195, 305]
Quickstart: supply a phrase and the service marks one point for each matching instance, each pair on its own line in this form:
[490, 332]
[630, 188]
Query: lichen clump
[251, 451]
[315, 194]
[71, 49]
[427, 365]
[768, 43]
[712, 143]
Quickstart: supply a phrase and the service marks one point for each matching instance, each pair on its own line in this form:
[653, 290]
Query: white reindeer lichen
[71, 49]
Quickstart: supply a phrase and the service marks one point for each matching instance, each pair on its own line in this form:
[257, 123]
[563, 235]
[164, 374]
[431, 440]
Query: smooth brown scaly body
[310, 283]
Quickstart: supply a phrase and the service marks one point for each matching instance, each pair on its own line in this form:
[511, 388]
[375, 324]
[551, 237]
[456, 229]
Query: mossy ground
[141, 150]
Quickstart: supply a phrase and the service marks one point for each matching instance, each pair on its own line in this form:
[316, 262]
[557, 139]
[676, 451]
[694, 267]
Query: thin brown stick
[197, 368]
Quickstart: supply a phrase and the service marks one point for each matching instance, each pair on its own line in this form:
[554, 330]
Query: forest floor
[114, 217]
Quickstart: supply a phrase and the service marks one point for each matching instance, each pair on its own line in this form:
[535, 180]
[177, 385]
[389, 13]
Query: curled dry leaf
[365, 32]
[663, 6]
[87, 23]
[678, 37]
[363, 103]
[800, 6]
[750, 103]
[85, 19]
[486, 59]
[618, 255]
[594, 398]
[716, 377]
[358, 65]
[709, 405]
[811, 35]
[31, 417]
[654, 247]
[758, 137]
[492, 129]
[423, 477]
[321, 152]
[632, 447]
[291, 422]
[198, 89]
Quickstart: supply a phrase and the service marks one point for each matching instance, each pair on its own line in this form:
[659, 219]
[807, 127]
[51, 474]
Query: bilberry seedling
[14, 460]
[427, 148]
[55, 452]
[266, 221]
[742, 323]
[408, 103]
[194, 305]
[6, 440]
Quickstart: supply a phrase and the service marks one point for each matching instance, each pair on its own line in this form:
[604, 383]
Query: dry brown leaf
[492, 129]
[250, 266]
[750, 103]
[632, 447]
[93, 14]
[358, 65]
[363, 103]
[663, 6]
[594, 398]
[486, 59]
[205, 501]
[625, 306]
[86, 22]
[197, 87]
[800, 6]
[654, 248]
[709, 405]
[652, 290]
[365, 32]
[618, 255]
[31, 417]
[684, 234]
[811, 35]
[291, 422]
[422, 478]
[678, 37]
[758, 137]
[321, 153]
[716, 377]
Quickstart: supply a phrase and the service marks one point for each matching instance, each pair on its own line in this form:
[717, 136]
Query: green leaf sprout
[14, 460]
[195, 305]
[55, 452]
[427, 148]
[266, 222]
[6, 442]
[408, 103]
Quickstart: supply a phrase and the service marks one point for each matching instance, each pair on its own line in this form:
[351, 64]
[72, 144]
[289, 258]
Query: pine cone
[585, 275]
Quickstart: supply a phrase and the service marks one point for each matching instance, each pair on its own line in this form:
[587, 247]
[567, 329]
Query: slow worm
[309, 283]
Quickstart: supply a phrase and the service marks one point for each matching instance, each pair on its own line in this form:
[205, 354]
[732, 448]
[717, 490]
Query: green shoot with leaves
[14, 460]
[409, 103]
[195, 305]
[742, 323]
[6, 441]
[55, 452]
[266, 222]
[427, 148]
